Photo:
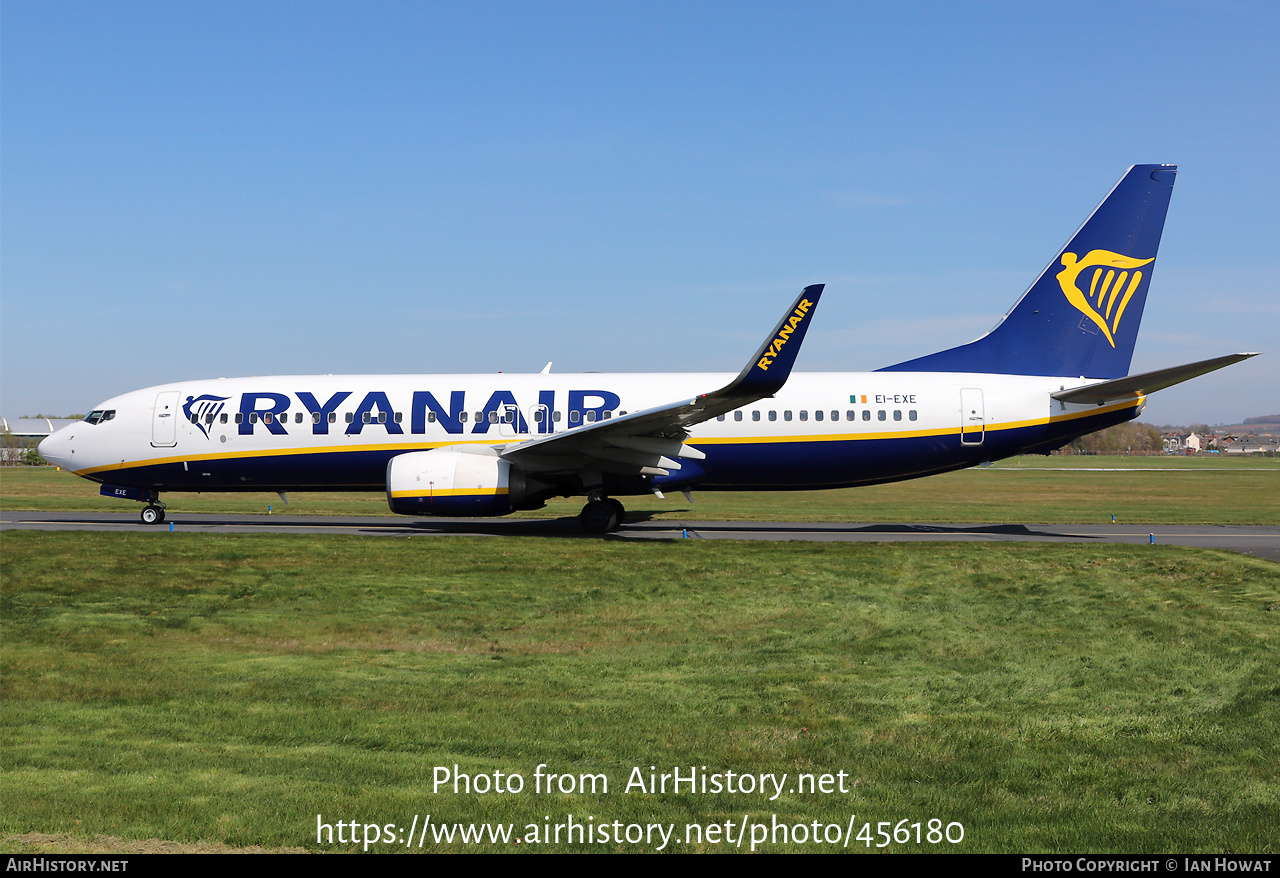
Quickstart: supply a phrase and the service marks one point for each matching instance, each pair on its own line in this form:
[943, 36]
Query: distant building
[33, 428]
[1253, 445]
[19, 435]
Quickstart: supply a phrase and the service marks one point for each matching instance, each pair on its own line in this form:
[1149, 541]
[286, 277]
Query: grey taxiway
[1259, 541]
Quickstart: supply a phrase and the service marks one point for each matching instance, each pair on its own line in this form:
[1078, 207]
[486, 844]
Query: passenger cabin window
[399, 417]
[773, 416]
[297, 419]
[574, 416]
[462, 417]
[591, 417]
[897, 414]
[912, 414]
[866, 414]
[315, 417]
[835, 416]
[239, 417]
[431, 417]
[253, 417]
[880, 415]
[737, 416]
[786, 415]
[848, 416]
[222, 418]
[755, 416]
[804, 414]
[351, 416]
[817, 416]
[333, 417]
[555, 417]
[493, 417]
[719, 417]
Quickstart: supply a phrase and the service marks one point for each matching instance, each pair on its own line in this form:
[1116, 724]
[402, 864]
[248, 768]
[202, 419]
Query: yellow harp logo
[1110, 273]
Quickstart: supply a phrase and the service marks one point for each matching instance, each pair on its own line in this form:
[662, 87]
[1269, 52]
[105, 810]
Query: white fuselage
[294, 433]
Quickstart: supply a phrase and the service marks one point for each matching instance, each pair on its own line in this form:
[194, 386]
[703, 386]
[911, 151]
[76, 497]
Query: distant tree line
[1121, 439]
[1198, 429]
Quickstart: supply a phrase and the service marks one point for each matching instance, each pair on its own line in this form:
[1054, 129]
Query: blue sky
[193, 190]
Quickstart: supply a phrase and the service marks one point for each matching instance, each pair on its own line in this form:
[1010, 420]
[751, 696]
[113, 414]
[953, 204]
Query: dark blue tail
[1081, 316]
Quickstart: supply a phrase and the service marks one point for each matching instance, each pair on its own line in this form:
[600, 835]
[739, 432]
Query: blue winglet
[769, 369]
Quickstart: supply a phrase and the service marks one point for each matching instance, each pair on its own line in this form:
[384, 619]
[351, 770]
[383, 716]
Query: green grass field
[1060, 489]
[179, 691]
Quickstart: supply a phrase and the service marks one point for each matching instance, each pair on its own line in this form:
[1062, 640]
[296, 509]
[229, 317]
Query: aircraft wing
[1147, 382]
[645, 442]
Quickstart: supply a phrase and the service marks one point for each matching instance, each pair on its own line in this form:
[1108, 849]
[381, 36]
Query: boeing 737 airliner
[1056, 367]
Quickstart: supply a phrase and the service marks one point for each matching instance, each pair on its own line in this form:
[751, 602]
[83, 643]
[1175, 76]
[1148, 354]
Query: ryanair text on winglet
[784, 334]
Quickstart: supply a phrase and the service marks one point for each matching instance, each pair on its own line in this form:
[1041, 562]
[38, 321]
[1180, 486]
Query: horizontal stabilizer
[1147, 382]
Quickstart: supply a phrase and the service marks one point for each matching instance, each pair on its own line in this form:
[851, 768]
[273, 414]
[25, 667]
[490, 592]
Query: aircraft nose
[56, 448]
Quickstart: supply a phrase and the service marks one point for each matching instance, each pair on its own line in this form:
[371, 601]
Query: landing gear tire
[152, 515]
[620, 509]
[600, 516]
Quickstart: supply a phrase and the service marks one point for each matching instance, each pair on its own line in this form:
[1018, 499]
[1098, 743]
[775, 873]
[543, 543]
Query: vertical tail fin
[1081, 315]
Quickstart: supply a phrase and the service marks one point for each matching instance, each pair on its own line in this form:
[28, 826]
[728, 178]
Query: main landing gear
[602, 516]
[152, 514]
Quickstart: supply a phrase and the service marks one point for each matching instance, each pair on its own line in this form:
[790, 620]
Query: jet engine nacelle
[458, 480]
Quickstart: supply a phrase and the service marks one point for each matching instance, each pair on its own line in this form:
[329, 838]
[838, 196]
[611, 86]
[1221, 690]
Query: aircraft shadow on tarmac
[568, 526]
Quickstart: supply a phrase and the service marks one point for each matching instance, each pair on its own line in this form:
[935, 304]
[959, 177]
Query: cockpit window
[100, 415]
